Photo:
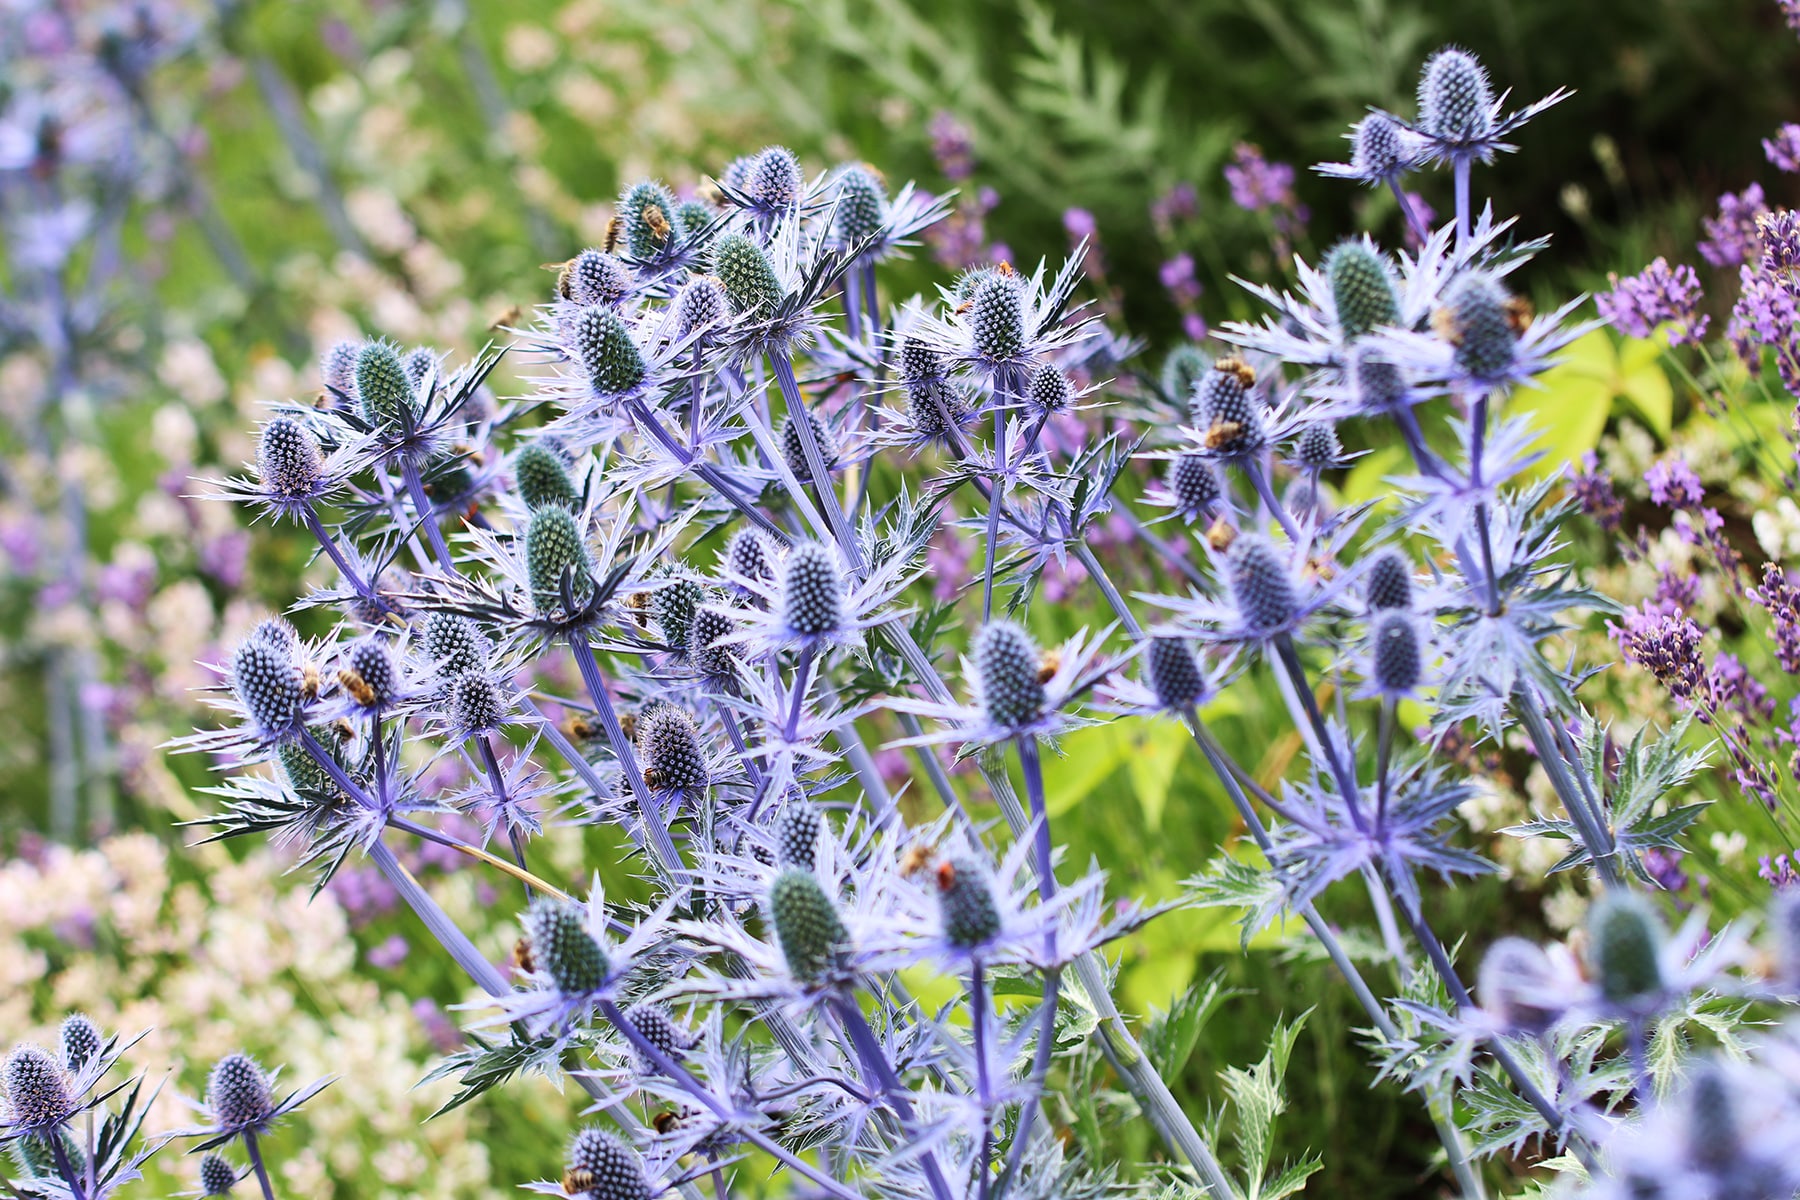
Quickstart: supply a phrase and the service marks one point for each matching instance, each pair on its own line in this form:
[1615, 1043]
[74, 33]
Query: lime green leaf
[1156, 751]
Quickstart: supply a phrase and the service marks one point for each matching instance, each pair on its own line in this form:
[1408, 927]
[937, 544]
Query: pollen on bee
[1321, 568]
[1222, 434]
[522, 957]
[1048, 665]
[653, 777]
[658, 222]
[357, 686]
[615, 228]
[1443, 323]
[342, 729]
[577, 1180]
[1519, 313]
[310, 681]
[1221, 534]
[1238, 369]
[1006, 268]
[916, 858]
[945, 875]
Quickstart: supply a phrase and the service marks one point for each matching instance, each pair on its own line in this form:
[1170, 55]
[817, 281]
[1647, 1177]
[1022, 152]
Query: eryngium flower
[1318, 448]
[747, 555]
[1174, 673]
[656, 1025]
[812, 590]
[669, 745]
[1378, 385]
[966, 903]
[674, 605]
[794, 449]
[1477, 319]
[1456, 102]
[37, 1091]
[1050, 389]
[748, 276]
[420, 362]
[1008, 664]
[554, 553]
[383, 387]
[1182, 371]
[700, 303]
[1230, 418]
[238, 1093]
[604, 1168]
[337, 368]
[563, 948]
[930, 398]
[775, 180]
[1260, 583]
[1515, 986]
[594, 277]
[279, 632]
[693, 218]
[1194, 483]
[288, 459]
[704, 650]
[1378, 152]
[806, 925]
[543, 479]
[217, 1175]
[997, 316]
[797, 834]
[1390, 582]
[376, 680]
[1362, 290]
[79, 1040]
[861, 205]
[648, 213]
[1714, 1138]
[1625, 936]
[601, 342]
[269, 684]
[474, 704]
[455, 644]
[1395, 661]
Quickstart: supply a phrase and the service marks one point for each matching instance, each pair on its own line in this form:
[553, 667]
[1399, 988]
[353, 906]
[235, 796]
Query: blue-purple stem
[256, 1163]
[438, 922]
[833, 508]
[427, 513]
[875, 1063]
[656, 833]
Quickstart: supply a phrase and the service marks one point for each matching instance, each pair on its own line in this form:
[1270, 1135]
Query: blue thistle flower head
[861, 204]
[37, 1090]
[217, 1176]
[337, 368]
[669, 745]
[543, 478]
[711, 655]
[239, 1094]
[1009, 669]
[694, 218]
[797, 834]
[601, 1167]
[1182, 369]
[1625, 941]
[657, 1025]
[793, 449]
[1390, 582]
[1261, 584]
[1318, 448]
[647, 214]
[775, 181]
[807, 926]
[966, 904]
[1362, 288]
[594, 277]
[700, 304]
[1714, 1134]
[1478, 318]
[1377, 385]
[288, 460]
[455, 645]
[80, 1041]
[1050, 389]
[1174, 673]
[743, 268]
[1396, 663]
[389, 398]
[812, 591]
[602, 343]
[563, 948]
[996, 317]
[420, 361]
[1456, 101]
[1194, 483]
[747, 556]
[1516, 986]
[1377, 148]
[269, 684]
[674, 605]
[371, 675]
[557, 560]
[1229, 415]
[473, 704]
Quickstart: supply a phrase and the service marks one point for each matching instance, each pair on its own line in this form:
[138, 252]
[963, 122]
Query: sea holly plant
[674, 589]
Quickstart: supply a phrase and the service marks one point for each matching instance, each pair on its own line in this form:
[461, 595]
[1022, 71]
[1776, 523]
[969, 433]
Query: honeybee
[577, 727]
[945, 875]
[1220, 535]
[964, 307]
[658, 222]
[666, 1120]
[1006, 268]
[1238, 368]
[614, 227]
[1518, 314]
[565, 275]
[310, 680]
[357, 686]
[1321, 569]
[342, 729]
[1048, 665]
[916, 858]
[653, 778]
[1443, 323]
[639, 604]
[523, 959]
[577, 1180]
[1222, 433]
[628, 723]
[508, 317]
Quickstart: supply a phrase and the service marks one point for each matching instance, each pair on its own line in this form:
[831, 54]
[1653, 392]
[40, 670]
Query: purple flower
[1731, 237]
[1658, 295]
[1784, 148]
[1178, 278]
[1593, 490]
[1767, 315]
[1256, 183]
[1180, 203]
[951, 147]
[1667, 646]
[1665, 867]
[1777, 871]
[1080, 224]
[388, 954]
[1419, 215]
[1782, 600]
[1673, 484]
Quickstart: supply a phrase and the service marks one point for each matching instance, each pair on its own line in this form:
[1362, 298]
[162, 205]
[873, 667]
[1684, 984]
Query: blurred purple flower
[1784, 148]
[951, 147]
[1731, 237]
[1673, 484]
[1657, 295]
[1180, 203]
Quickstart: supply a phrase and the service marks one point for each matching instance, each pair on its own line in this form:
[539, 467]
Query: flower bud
[455, 644]
[648, 213]
[1228, 415]
[1050, 389]
[775, 179]
[1390, 582]
[474, 704]
[1456, 103]
[996, 317]
[420, 362]
[602, 343]
[793, 448]
[288, 458]
[694, 218]
[269, 683]
[1361, 289]
[797, 834]
[669, 744]
[747, 556]
[674, 605]
[337, 369]
[238, 1093]
[303, 772]
[1481, 327]
[383, 387]
[543, 479]
[1515, 975]
[699, 304]
[966, 904]
[1261, 583]
[806, 924]
[217, 1176]
[1396, 662]
[555, 552]
[861, 205]
[1318, 448]
[37, 1158]
[706, 651]
[601, 1167]
[748, 276]
[1174, 673]
[1378, 384]
[1625, 936]
[37, 1093]
[79, 1040]
[563, 948]
[1377, 149]
[812, 590]
[1007, 664]
[1183, 369]
[594, 277]
[655, 1024]
[1194, 483]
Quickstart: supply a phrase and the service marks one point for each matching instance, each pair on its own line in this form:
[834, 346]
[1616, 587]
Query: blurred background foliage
[406, 168]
